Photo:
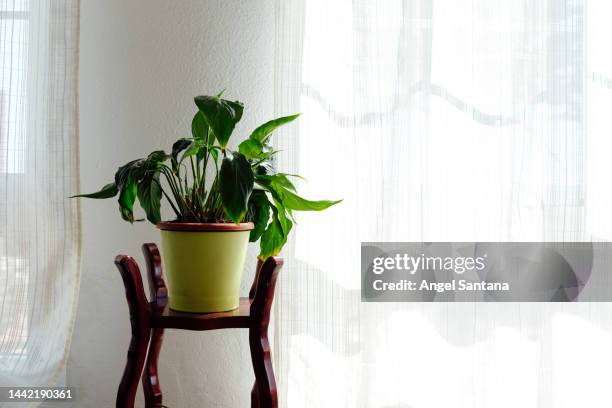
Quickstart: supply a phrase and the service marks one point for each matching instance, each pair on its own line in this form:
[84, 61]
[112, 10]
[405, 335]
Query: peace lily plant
[245, 200]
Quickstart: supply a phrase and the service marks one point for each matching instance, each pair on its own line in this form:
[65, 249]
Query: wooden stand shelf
[149, 319]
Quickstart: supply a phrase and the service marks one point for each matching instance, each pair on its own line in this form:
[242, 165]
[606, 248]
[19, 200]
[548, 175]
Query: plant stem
[178, 214]
[203, 193]
[194, 174]
[175, 190]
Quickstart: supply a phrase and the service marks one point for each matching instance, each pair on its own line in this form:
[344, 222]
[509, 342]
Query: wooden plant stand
[149, 319]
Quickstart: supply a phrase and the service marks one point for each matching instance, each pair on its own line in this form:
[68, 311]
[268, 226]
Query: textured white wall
[141, 63]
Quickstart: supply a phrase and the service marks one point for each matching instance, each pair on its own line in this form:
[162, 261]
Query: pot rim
[205, 226]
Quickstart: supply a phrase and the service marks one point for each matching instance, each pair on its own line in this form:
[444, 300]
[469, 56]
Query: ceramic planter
[204, 264]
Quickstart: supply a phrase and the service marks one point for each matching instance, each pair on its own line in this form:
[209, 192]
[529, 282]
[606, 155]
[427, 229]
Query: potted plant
[222, 199]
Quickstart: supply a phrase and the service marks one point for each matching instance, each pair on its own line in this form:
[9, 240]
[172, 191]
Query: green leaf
[124, 171]
[193, 149]
[149, 187]
[280, 178]
[293, 201]
[177, 148]
[262, 133]
[124, 179]
[273, 238]
[214, 153]
[283, 218]
[108, 191]
[156, 157]
[200, 129]
[264, 168]
[149, 196]
[259, 210]
[251, 149]
[129, 175]
[236, 184]
[127, 196]
[220, 115]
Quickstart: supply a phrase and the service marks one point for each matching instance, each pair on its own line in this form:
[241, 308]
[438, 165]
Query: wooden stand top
[173, 319]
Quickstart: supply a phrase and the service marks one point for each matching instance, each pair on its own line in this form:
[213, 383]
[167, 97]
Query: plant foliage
[245, 185]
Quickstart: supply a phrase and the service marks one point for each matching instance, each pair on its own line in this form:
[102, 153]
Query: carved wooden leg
[150, 378]
[254, 396]
[264, 392]
[255, 280]
[141, 331]
[159, 299]
[126, 394]
[262, 365]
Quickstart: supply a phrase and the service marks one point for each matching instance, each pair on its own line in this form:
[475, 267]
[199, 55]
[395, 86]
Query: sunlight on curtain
[441, 121]
[38, 170]
[599, 83]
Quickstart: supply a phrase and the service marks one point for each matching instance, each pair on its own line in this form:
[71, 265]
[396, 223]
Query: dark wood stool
[149, 319]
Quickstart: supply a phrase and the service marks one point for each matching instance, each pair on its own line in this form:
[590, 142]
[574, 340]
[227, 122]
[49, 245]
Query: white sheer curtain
[39, 233]
[456, 120]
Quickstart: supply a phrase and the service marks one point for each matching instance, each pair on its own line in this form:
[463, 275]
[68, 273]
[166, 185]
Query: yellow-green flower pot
[204, 264]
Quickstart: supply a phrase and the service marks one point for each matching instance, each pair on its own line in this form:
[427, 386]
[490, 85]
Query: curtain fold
[39, 237]
[469, 120]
